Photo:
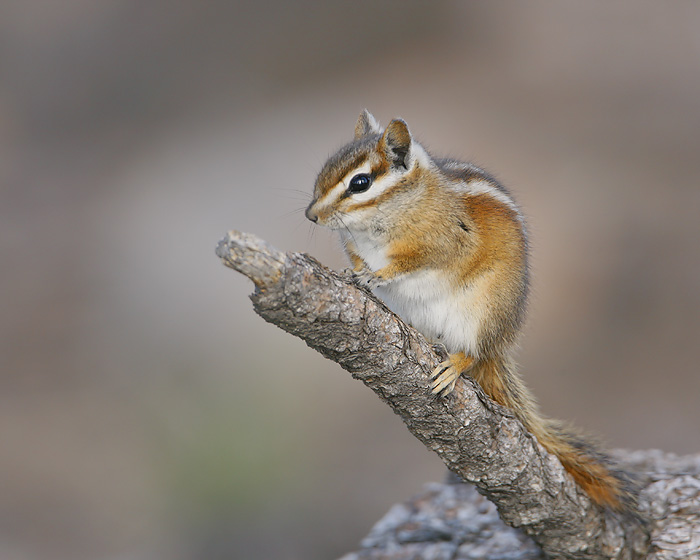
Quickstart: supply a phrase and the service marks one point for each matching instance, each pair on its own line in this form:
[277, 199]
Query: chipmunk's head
[366, 175]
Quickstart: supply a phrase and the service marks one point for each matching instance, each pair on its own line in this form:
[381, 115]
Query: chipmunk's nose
[311, 214]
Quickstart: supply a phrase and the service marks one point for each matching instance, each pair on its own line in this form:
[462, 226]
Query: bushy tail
[593, 470]
[590, 468]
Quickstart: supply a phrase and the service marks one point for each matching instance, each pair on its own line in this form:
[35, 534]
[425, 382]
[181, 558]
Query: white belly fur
[425, 300]
[442, 315]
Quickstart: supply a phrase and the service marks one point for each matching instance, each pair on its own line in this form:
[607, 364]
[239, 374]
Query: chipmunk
[444, 245]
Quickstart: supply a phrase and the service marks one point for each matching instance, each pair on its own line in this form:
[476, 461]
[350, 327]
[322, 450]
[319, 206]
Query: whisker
[310, 233]
[294, 194]
[340, 219]
[293, 212]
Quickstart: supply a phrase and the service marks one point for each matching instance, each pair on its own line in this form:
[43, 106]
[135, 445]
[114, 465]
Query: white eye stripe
[378, 186]
[331, 197]
[365, 169]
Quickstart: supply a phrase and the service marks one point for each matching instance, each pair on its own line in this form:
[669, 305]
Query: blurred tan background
[147, 413]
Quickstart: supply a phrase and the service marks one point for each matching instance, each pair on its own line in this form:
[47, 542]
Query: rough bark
[478, 440]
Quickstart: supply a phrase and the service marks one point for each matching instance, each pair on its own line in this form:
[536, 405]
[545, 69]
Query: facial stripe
[385, 187]
[339, 191]
[381, 182]
[329, 198]
[333, 174]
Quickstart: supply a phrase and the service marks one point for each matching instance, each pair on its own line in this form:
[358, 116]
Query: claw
[446, 374]
[368, 279]
[438, 370]
[445, 382]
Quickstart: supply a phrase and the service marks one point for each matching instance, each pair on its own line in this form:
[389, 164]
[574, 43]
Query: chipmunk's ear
[396, 143]
[366, 125]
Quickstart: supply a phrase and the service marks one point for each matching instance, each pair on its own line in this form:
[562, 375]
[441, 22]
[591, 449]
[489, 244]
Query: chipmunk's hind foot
[446, 374]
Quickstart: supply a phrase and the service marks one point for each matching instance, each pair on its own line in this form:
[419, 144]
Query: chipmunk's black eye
[359, 183]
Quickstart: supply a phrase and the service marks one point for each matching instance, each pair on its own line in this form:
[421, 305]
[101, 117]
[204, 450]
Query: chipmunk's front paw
[368, 279]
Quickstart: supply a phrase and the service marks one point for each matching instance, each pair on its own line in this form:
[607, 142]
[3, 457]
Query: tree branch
[478, 440]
